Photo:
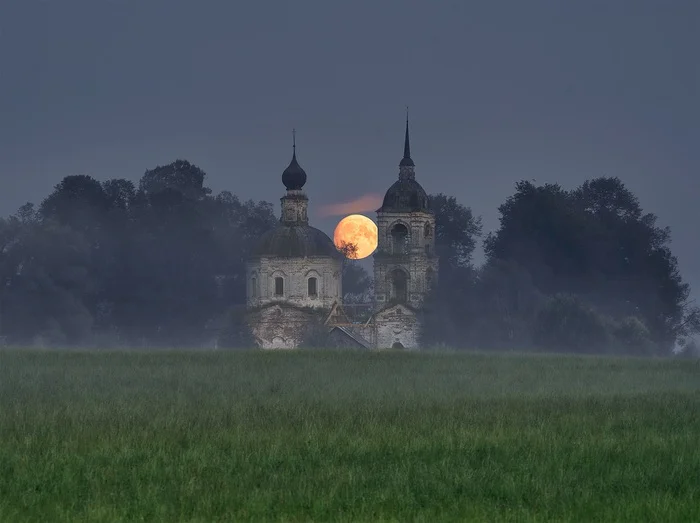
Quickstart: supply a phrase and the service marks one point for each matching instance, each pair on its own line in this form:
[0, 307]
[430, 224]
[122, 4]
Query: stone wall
[397, 325]
[261, 274]
[418, 262]
[295, 207]
[280, 326]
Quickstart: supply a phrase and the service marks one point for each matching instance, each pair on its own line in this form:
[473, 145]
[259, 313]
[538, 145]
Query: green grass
[343, 436]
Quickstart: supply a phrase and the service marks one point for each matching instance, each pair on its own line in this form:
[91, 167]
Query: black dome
[294, 177]
[295, 241]
[405, 196]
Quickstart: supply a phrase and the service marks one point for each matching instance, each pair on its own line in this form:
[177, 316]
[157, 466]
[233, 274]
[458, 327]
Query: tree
[147, 267]
[187, 256]
[640, 274]
[119, 193]
[566, 323]
[236, 227]
[541, 231]
[45, 273]
[356, 283]
[448, 307]
[631, 336]
[504, 304]
[596, 243]
[456, 231]
[235, 331]
[168, 289]
[98, 211]
[78, 202]
[448, 310]
[689, 349]
[179, 176]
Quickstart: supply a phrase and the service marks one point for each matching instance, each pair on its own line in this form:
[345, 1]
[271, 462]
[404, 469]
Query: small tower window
[399, 239]
[312, 288]
[279, 286]
[427, 230]
[254, 287]
[399, 285]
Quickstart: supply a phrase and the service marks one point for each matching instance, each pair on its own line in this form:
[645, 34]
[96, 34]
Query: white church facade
[294, 276]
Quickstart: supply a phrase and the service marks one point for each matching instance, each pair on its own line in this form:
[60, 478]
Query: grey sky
[499, 91]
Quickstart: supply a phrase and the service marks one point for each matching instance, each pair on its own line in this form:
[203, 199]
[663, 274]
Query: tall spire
[406, 161]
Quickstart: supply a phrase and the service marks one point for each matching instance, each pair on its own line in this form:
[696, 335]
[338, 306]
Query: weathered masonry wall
[295, 273]
[418, 259]
[397, 325]
[280, 326]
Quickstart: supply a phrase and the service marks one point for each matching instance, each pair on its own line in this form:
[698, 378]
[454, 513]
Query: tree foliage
[597, 243]
[449, 306]
[356, 283]
[109, 264]
[585, 270]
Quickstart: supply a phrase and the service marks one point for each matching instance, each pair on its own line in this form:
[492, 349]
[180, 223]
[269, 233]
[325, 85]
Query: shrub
[565, 323]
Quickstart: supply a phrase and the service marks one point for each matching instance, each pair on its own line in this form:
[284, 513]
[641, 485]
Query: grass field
[344, 436]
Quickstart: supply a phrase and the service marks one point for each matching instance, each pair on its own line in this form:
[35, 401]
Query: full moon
[359, 231]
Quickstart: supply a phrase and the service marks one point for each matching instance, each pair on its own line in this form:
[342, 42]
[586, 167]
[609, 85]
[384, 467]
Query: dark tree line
[117, 264]
[161, 263]
[582, 271]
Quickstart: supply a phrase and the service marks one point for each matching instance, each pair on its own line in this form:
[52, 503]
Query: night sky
[555, 91]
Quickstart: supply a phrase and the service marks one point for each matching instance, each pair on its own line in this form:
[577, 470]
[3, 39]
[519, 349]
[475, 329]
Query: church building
[295, 273]
[405, 264]
[294, 276]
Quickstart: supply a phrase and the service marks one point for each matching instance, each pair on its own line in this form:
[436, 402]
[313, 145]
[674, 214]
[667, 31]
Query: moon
[357, 230]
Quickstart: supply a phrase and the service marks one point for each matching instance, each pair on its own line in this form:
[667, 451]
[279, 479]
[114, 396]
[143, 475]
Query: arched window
[397, 345]
[279, 286]
[399, 239]
[427, 230]
[254, 287]
[311, 286]
[398, 280]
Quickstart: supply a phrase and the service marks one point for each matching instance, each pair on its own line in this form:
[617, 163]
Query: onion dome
[294, 177]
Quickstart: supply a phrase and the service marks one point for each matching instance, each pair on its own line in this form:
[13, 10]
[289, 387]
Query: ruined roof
[405, 195]
[352, 335]
[295, 241]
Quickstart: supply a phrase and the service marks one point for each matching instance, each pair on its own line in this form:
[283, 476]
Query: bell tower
[405, 264]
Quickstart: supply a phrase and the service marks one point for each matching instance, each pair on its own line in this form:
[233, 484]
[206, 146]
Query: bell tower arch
[405, 263]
